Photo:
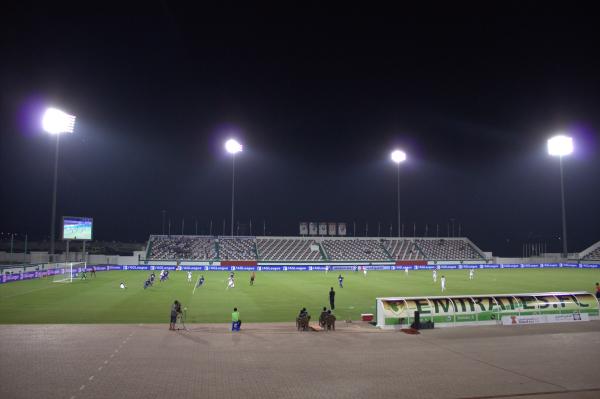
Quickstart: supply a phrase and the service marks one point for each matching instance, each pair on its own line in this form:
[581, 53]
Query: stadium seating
[402, 249]
[237, 248]
[181, 248]
[594, 255]
[448, 249]
[354, 249]
[287, 249]
[309, 249]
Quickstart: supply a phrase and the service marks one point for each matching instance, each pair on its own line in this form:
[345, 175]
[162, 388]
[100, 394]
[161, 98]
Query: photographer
[175, 311]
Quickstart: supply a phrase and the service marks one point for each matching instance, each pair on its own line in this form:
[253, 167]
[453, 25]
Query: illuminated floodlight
[232, 146]
[560, 145]
[56, 121]
[398, 156]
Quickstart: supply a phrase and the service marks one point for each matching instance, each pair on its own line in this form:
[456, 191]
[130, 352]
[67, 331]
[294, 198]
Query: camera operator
[175, 312]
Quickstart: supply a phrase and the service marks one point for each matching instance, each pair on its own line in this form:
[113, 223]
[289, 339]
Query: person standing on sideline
[406, 270]
[471, 274]
[341, 281]
[236, 323]
[332, 299]
[434, 276]
[252, 277]
[175, 310]
[443, 280]
[365, 271]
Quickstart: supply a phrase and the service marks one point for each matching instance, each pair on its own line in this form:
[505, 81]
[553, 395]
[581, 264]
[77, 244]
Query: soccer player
[332, 298]
[341, 281]
[597, 290]
[189, 277]
[252, 277]
[200, 281]
[406, 270]
[443, 281]
[93, 271]
[83, 275]
[147, 283]
[162, 275]
[471, 274]
[230, 283]
[122, 285]
[434, 276]
[152, 278]
[365, 271]
[326, 269]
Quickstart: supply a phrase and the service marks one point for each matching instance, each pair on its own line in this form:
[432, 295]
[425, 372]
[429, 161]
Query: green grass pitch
[275, 297]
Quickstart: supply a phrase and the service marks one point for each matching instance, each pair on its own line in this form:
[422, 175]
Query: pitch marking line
[91, 377]
[81, 387]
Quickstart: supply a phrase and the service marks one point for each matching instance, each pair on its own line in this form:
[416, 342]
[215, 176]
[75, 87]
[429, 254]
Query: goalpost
[67, 271]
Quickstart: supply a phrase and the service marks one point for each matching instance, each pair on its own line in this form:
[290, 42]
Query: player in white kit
[471, 274]
[406, 270]
[434, 276]
[365, 271]
[189, 277]
[230, 282]
[443, 281]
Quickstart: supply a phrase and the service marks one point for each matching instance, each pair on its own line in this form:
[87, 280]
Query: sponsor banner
[303, 228]
[510, 266]
[313, 229]
[569, 265]
[550, 318]
[589, 266]
[483, 308]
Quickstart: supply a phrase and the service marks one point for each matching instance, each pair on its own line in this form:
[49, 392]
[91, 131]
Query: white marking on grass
[73, 397]
[100, 368]
[116, 351]
[91, 377]
[106, 362]
[81, 387]
[112, 355]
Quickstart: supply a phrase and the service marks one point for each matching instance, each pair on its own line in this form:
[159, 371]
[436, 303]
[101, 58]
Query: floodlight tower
[560, 146]
[56, 122]
[398, 157]
[232, 146]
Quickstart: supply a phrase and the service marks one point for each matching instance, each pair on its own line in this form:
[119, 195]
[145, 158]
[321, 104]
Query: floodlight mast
[56, 122]
[398, 157]
[560, 146]
[232, 146]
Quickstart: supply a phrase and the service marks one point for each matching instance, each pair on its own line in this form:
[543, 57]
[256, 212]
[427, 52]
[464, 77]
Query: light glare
[398, 156]
[232, 146]
[560, 145]
[56, 121]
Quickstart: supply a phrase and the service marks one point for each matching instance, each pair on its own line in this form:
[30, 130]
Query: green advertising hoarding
[481, 309]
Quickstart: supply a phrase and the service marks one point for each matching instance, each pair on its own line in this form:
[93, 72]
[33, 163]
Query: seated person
[303, 319]
[330, 320]
[323, 317]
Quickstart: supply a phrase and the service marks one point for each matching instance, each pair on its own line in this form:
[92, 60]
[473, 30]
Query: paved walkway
[557, 361]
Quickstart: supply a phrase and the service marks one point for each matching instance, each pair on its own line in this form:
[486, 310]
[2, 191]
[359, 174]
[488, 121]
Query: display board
[481, 309]
[77, 228]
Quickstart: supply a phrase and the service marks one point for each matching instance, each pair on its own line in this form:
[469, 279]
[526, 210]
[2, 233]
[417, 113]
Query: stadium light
[398, 157]
[561, 145]
[55, 121]
[232, 146]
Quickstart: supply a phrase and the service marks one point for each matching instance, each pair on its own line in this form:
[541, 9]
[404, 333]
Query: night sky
[319, 103]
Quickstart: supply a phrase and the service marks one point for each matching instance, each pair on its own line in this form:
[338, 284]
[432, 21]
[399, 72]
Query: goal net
[67, 271]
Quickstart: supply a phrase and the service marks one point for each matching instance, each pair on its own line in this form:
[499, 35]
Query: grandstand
[592, 253]
[310, 249]
[288, 249]
[354, 249]
[448, 249]
[401, 249]
[197, 248]
[237, 248]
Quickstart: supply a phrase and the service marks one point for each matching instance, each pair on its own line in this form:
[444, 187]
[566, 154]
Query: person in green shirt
[235, 320]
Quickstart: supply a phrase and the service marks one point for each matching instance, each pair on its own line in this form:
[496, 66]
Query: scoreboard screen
[77, 228]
